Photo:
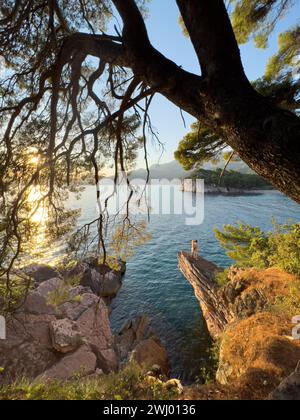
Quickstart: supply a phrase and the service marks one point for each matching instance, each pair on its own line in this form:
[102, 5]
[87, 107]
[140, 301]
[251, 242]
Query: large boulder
[95, 327]
[100, 278]
[132, 333]
[39, 334]
[41, 272]
[65, 335]
[49, 286]
[150, 352]
[27, 351]
[82, 362]
[103, 284]
[80, 300]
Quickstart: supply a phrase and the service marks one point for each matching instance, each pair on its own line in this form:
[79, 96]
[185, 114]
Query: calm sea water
[154, 286]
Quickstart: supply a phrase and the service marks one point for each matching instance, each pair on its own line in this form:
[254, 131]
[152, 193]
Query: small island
[218, 182]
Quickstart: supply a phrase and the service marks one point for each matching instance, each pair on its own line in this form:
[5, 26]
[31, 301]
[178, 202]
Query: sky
[165, 34]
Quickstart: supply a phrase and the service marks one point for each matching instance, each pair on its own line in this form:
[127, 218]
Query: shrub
[128, 384]
[250, 247]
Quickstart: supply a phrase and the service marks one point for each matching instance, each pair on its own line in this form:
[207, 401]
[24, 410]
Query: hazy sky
[165, 34]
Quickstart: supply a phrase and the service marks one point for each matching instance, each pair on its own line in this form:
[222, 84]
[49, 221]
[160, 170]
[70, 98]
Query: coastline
[189, 185]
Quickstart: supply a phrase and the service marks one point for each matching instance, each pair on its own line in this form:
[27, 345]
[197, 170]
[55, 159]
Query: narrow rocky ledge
[201, 275]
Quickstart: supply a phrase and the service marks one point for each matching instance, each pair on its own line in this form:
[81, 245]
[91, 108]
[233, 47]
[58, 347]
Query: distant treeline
[231, 179]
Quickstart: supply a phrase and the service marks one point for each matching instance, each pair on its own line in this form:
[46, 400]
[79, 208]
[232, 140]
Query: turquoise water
[154, 286]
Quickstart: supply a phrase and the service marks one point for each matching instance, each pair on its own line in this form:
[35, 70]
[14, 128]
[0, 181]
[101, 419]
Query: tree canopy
[78, 78]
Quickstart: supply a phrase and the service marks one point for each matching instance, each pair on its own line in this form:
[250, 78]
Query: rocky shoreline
[258, 357]
[63, 329]
[190, 185]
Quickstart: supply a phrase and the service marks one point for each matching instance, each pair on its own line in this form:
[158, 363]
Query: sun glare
[34, 160]
[38, 210]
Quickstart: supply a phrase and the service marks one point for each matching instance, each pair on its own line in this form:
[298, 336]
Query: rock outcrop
[43, 339]
[62, 331]
[201, 275]
[257, 351]
[99, 278]
[137, 342]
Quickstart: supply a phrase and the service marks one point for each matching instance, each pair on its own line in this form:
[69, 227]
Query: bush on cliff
[250, 246]
[131, 383]
[260, 350]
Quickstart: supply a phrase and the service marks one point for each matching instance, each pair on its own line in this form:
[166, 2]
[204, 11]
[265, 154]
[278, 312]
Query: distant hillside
[231, 179]
[173, 170]
[169, 170]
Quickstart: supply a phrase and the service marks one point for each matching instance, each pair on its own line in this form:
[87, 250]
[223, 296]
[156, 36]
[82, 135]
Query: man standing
[194, 249]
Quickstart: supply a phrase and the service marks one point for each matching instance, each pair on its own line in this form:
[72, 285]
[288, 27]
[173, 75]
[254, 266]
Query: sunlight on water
[39, 213]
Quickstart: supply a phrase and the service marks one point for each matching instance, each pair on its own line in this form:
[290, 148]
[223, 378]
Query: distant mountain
[174, 170]
[169, 170]
[240, 167]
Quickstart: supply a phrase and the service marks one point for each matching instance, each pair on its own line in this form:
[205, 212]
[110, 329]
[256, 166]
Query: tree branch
[213, 38]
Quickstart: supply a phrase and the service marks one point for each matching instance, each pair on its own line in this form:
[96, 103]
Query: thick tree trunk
[265, 137]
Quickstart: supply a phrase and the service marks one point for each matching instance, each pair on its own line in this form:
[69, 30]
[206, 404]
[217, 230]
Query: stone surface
[174, 385]
[65, 335]
[201, 275]
[111, 284]
[41, 273]
[74, 309]
[56, 343]
[132, 332]
[49, 286]
[37, 304]
[103, 284]
[82, 362]
[150, 352]
[39, 334]
[27, 351]
[289, 389]
[94, 326]
[100, 278]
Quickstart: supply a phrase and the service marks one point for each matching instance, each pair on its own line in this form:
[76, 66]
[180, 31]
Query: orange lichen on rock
[260, 344]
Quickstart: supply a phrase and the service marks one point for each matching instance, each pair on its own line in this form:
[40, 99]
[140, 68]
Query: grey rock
[49, 286]
[82, 362]
[65, 335]
[74, 309]
[41, 273]
[95, 327]
[148, 353]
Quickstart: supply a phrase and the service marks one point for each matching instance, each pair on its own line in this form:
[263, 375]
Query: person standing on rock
[194, 249]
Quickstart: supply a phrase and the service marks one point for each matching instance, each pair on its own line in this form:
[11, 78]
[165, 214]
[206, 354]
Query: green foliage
[231, 179]
[249, 246]
[288, 56]
[222, 278]
[288, 305]
[257, 18]
[62, 294]
[283, 90]
[128, 384]
[125, 239]
[285, 246]
[199, 146]
[208, 372]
